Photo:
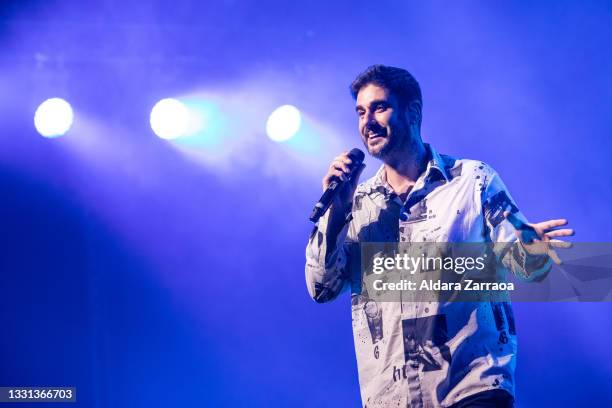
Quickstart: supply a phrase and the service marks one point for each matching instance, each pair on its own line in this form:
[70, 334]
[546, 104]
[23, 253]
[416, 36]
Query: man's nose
[370, 121]
[370, 118]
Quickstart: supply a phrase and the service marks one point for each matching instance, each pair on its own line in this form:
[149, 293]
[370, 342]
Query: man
[423, 354]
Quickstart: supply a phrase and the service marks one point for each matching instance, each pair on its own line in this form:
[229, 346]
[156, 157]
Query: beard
[381, 152]
[399, 134]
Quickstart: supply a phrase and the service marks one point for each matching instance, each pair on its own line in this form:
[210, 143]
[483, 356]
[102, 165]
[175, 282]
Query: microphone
[335, 185]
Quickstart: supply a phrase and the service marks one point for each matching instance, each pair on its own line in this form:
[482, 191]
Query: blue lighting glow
[207, 124]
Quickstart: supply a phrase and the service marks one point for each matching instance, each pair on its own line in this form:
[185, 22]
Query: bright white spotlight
[283, 123]
[53, 118]
[169, 119]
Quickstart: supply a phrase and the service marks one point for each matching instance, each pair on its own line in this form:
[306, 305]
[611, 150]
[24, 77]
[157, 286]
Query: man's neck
[403, 169]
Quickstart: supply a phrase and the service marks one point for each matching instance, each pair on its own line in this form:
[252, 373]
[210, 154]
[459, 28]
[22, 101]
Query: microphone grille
[356, 155]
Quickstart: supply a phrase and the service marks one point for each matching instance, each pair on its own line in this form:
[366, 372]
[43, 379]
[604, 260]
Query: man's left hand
[541, 238]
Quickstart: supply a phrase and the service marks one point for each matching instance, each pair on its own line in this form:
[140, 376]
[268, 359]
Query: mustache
[374, 128]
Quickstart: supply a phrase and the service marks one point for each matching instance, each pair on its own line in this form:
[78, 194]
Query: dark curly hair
[400, 83]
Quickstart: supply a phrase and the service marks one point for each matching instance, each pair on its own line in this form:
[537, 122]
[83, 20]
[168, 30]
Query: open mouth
[374, 136]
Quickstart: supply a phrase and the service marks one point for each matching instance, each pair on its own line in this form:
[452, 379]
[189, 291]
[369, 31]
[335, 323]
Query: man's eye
[360, 113]
[381, 108]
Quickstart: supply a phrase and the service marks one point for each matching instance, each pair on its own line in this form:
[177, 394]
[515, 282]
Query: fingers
[546, 226]
[552, 224]
[548, 248]
[344, 157]
[338, 173]
[524, 229]
[557, 243]
[335, 173]
[339, 168]
[553, 255]
[342, 162]
[565, 232]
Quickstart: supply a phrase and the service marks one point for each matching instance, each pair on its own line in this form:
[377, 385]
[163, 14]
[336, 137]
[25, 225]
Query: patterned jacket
[425, 354]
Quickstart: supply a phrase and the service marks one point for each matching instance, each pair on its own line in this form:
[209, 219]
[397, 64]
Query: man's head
[388, 104]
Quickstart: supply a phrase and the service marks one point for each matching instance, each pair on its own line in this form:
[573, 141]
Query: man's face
[382, 124]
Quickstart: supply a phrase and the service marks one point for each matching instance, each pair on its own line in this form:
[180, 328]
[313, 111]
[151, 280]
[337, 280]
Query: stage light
[53, 118]
[283, 123]
[170, 119]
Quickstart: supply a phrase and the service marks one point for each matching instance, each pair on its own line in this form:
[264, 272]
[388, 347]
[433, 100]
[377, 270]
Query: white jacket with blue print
[425, 354]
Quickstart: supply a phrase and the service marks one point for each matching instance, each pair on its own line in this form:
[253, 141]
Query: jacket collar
[378, 184]
[436, 162]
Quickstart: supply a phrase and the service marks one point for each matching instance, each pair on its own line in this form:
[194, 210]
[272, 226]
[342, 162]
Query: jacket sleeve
[328, 263]
[510, 252]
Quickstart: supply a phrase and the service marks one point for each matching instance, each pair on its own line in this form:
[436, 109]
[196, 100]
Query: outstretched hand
[541, 238]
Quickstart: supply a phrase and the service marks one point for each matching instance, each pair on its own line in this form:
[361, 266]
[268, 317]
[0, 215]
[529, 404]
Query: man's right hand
[340, 168]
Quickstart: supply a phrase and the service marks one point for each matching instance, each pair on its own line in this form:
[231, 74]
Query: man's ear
[414, 112]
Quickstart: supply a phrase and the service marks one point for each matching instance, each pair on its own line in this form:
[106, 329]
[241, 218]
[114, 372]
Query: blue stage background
[148, 272]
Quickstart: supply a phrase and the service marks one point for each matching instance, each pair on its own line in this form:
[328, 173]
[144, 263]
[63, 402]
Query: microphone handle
[325, 200]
